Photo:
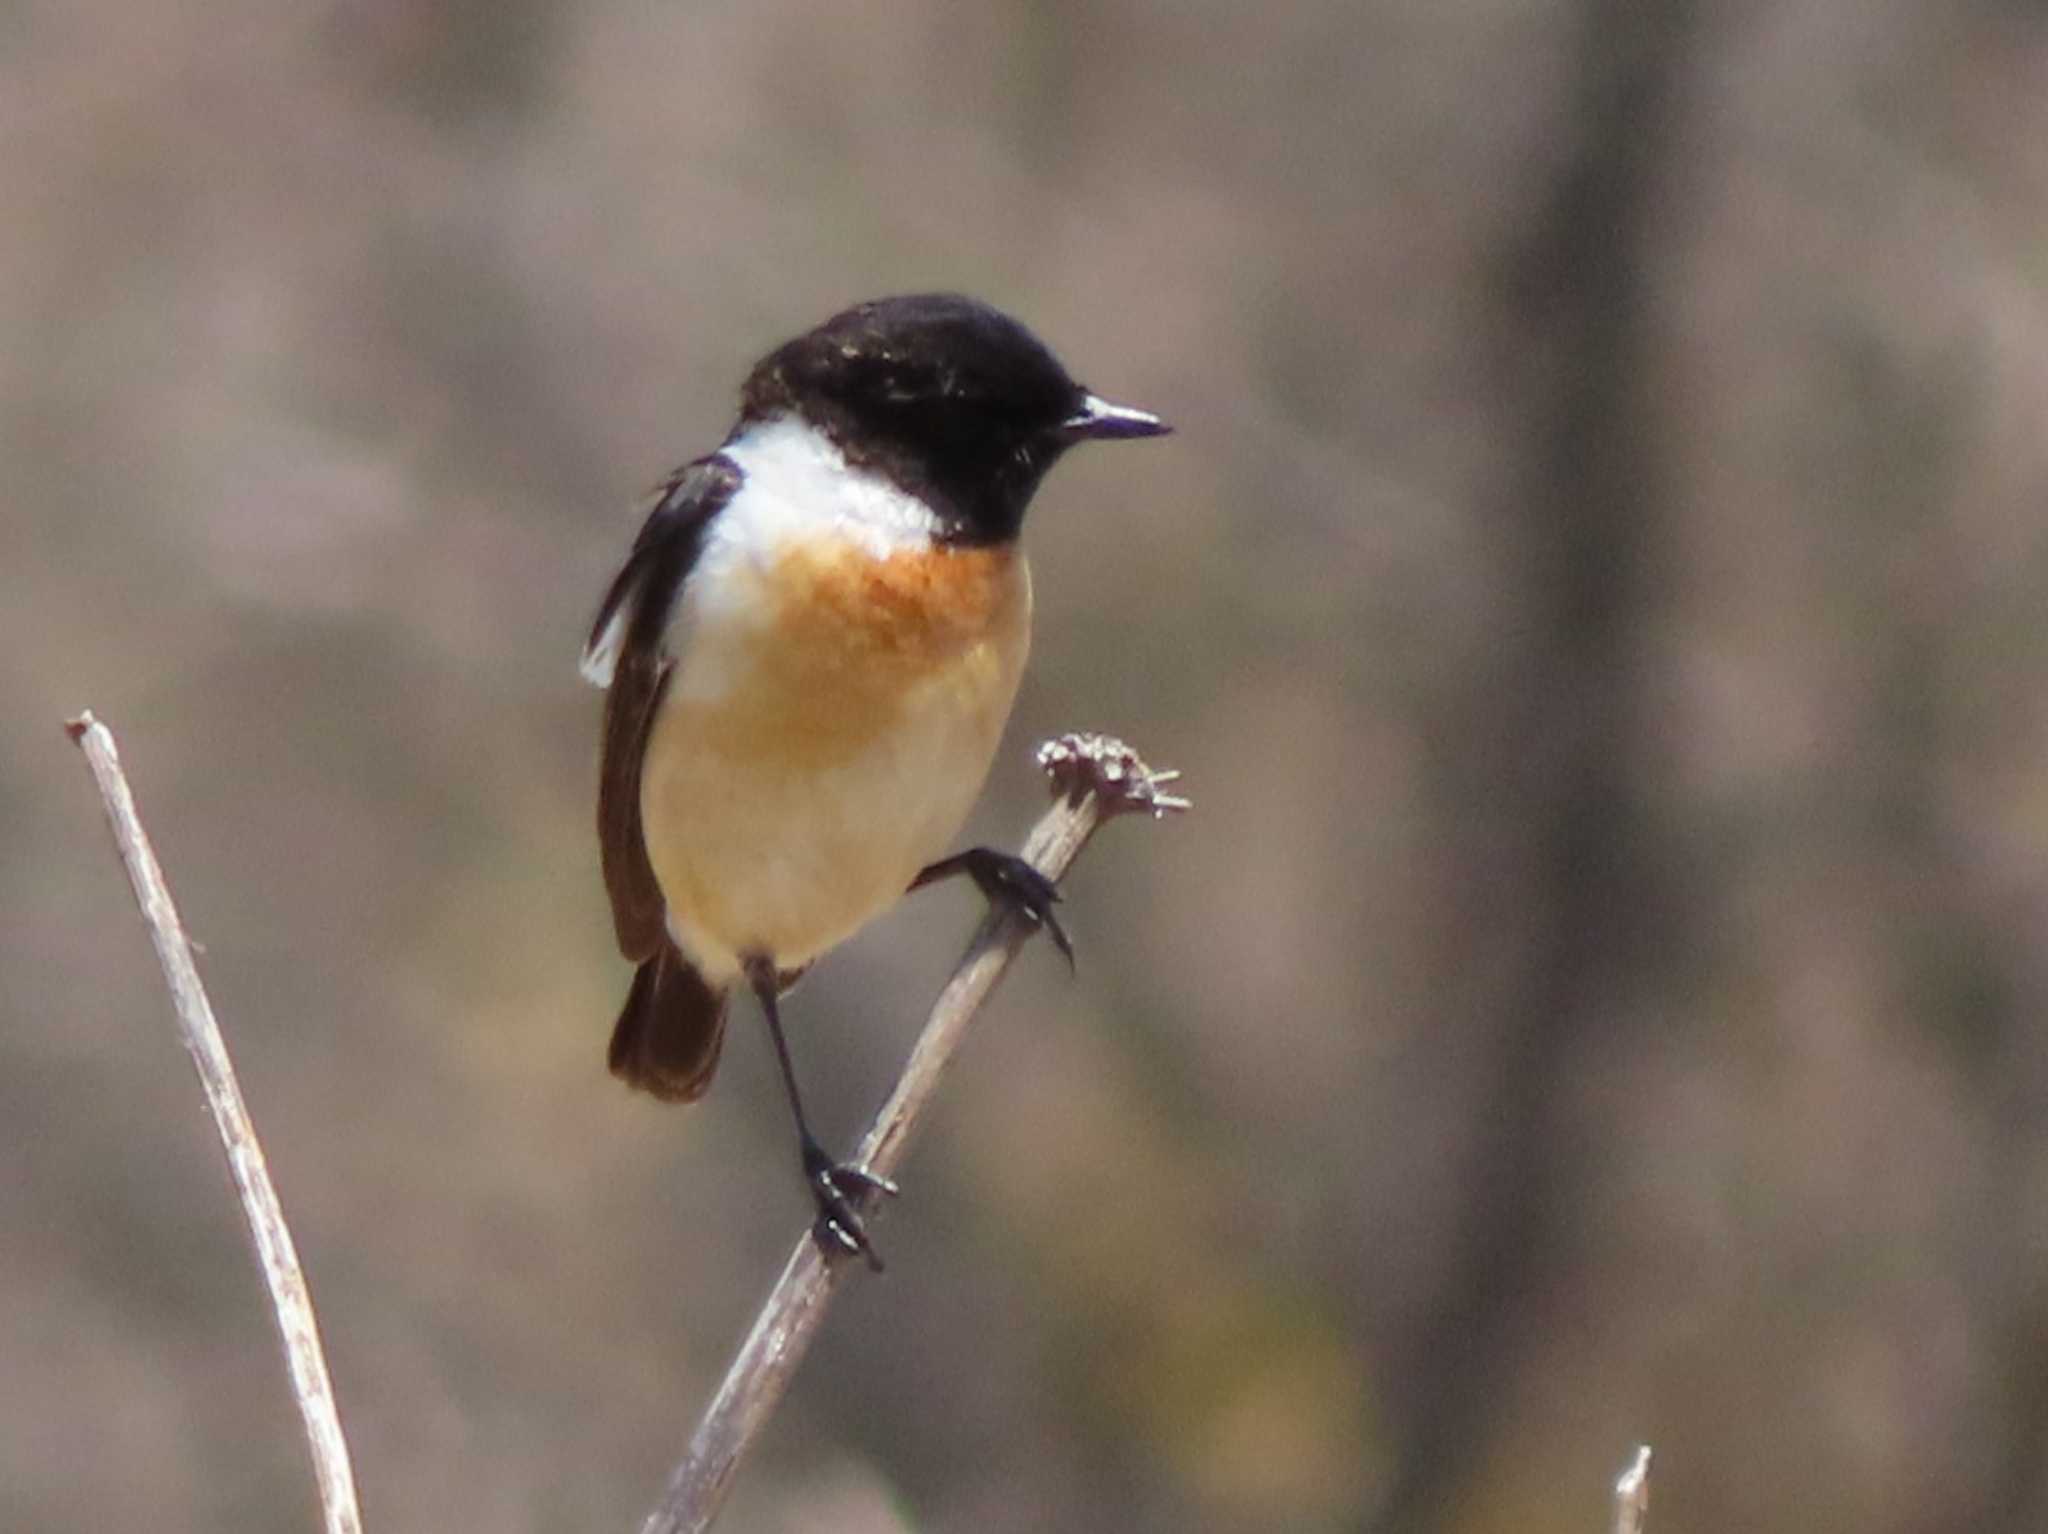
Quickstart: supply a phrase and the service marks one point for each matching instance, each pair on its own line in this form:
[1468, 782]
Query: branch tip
[290, 1301]
[1083, 762]
[1632, 1494]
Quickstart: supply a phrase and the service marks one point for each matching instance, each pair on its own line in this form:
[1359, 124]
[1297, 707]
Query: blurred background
[1595, 595]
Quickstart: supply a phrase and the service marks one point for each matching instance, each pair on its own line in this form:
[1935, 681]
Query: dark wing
[626, 654]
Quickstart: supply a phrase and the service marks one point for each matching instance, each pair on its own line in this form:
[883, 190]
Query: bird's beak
[1098, 418]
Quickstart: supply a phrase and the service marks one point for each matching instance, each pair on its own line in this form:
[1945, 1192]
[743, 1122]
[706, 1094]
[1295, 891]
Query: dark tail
[668, 1033]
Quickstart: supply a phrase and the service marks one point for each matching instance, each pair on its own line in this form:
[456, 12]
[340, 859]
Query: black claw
[841, 1191]
[1011, 881]
[1007, 880]
[1057, 933]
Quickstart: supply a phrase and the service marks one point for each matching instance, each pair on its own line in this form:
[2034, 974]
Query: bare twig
[289, 1298]
[1632, 1494]
[1095, 778]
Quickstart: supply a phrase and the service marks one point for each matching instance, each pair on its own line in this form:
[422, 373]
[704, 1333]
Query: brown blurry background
[1596, 594]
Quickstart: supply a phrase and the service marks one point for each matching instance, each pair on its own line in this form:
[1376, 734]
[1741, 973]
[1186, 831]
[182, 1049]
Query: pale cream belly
[803, 769]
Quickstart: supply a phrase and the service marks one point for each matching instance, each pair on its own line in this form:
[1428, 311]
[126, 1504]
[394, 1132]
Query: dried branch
[1095, 777]
[1632, 1495]
[289, 1298]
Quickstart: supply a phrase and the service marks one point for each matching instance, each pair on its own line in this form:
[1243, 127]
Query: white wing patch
[601, 656]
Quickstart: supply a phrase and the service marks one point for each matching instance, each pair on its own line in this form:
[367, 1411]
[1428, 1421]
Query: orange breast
[826, 735]
[856, 641]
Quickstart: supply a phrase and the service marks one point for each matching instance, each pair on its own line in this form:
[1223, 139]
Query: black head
[954, 400]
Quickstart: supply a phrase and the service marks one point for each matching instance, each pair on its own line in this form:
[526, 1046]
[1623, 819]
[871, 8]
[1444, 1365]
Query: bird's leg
[1006, 880]
[839, 1189]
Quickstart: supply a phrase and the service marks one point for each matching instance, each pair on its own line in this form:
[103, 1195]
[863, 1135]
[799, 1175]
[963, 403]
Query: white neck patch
[798, 488]
[799, 485]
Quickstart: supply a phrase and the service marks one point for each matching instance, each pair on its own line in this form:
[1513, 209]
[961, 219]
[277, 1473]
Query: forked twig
[289, 1298]
[1094, 778]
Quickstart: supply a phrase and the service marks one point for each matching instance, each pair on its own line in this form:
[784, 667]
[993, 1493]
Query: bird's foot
[843, 1192]
[1009, 881]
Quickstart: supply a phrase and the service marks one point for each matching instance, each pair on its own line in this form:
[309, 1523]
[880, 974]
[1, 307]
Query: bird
[808, 656]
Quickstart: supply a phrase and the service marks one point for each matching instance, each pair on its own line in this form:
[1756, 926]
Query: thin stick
[1095, 778]
[1632, 1495]
[289, 1298]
